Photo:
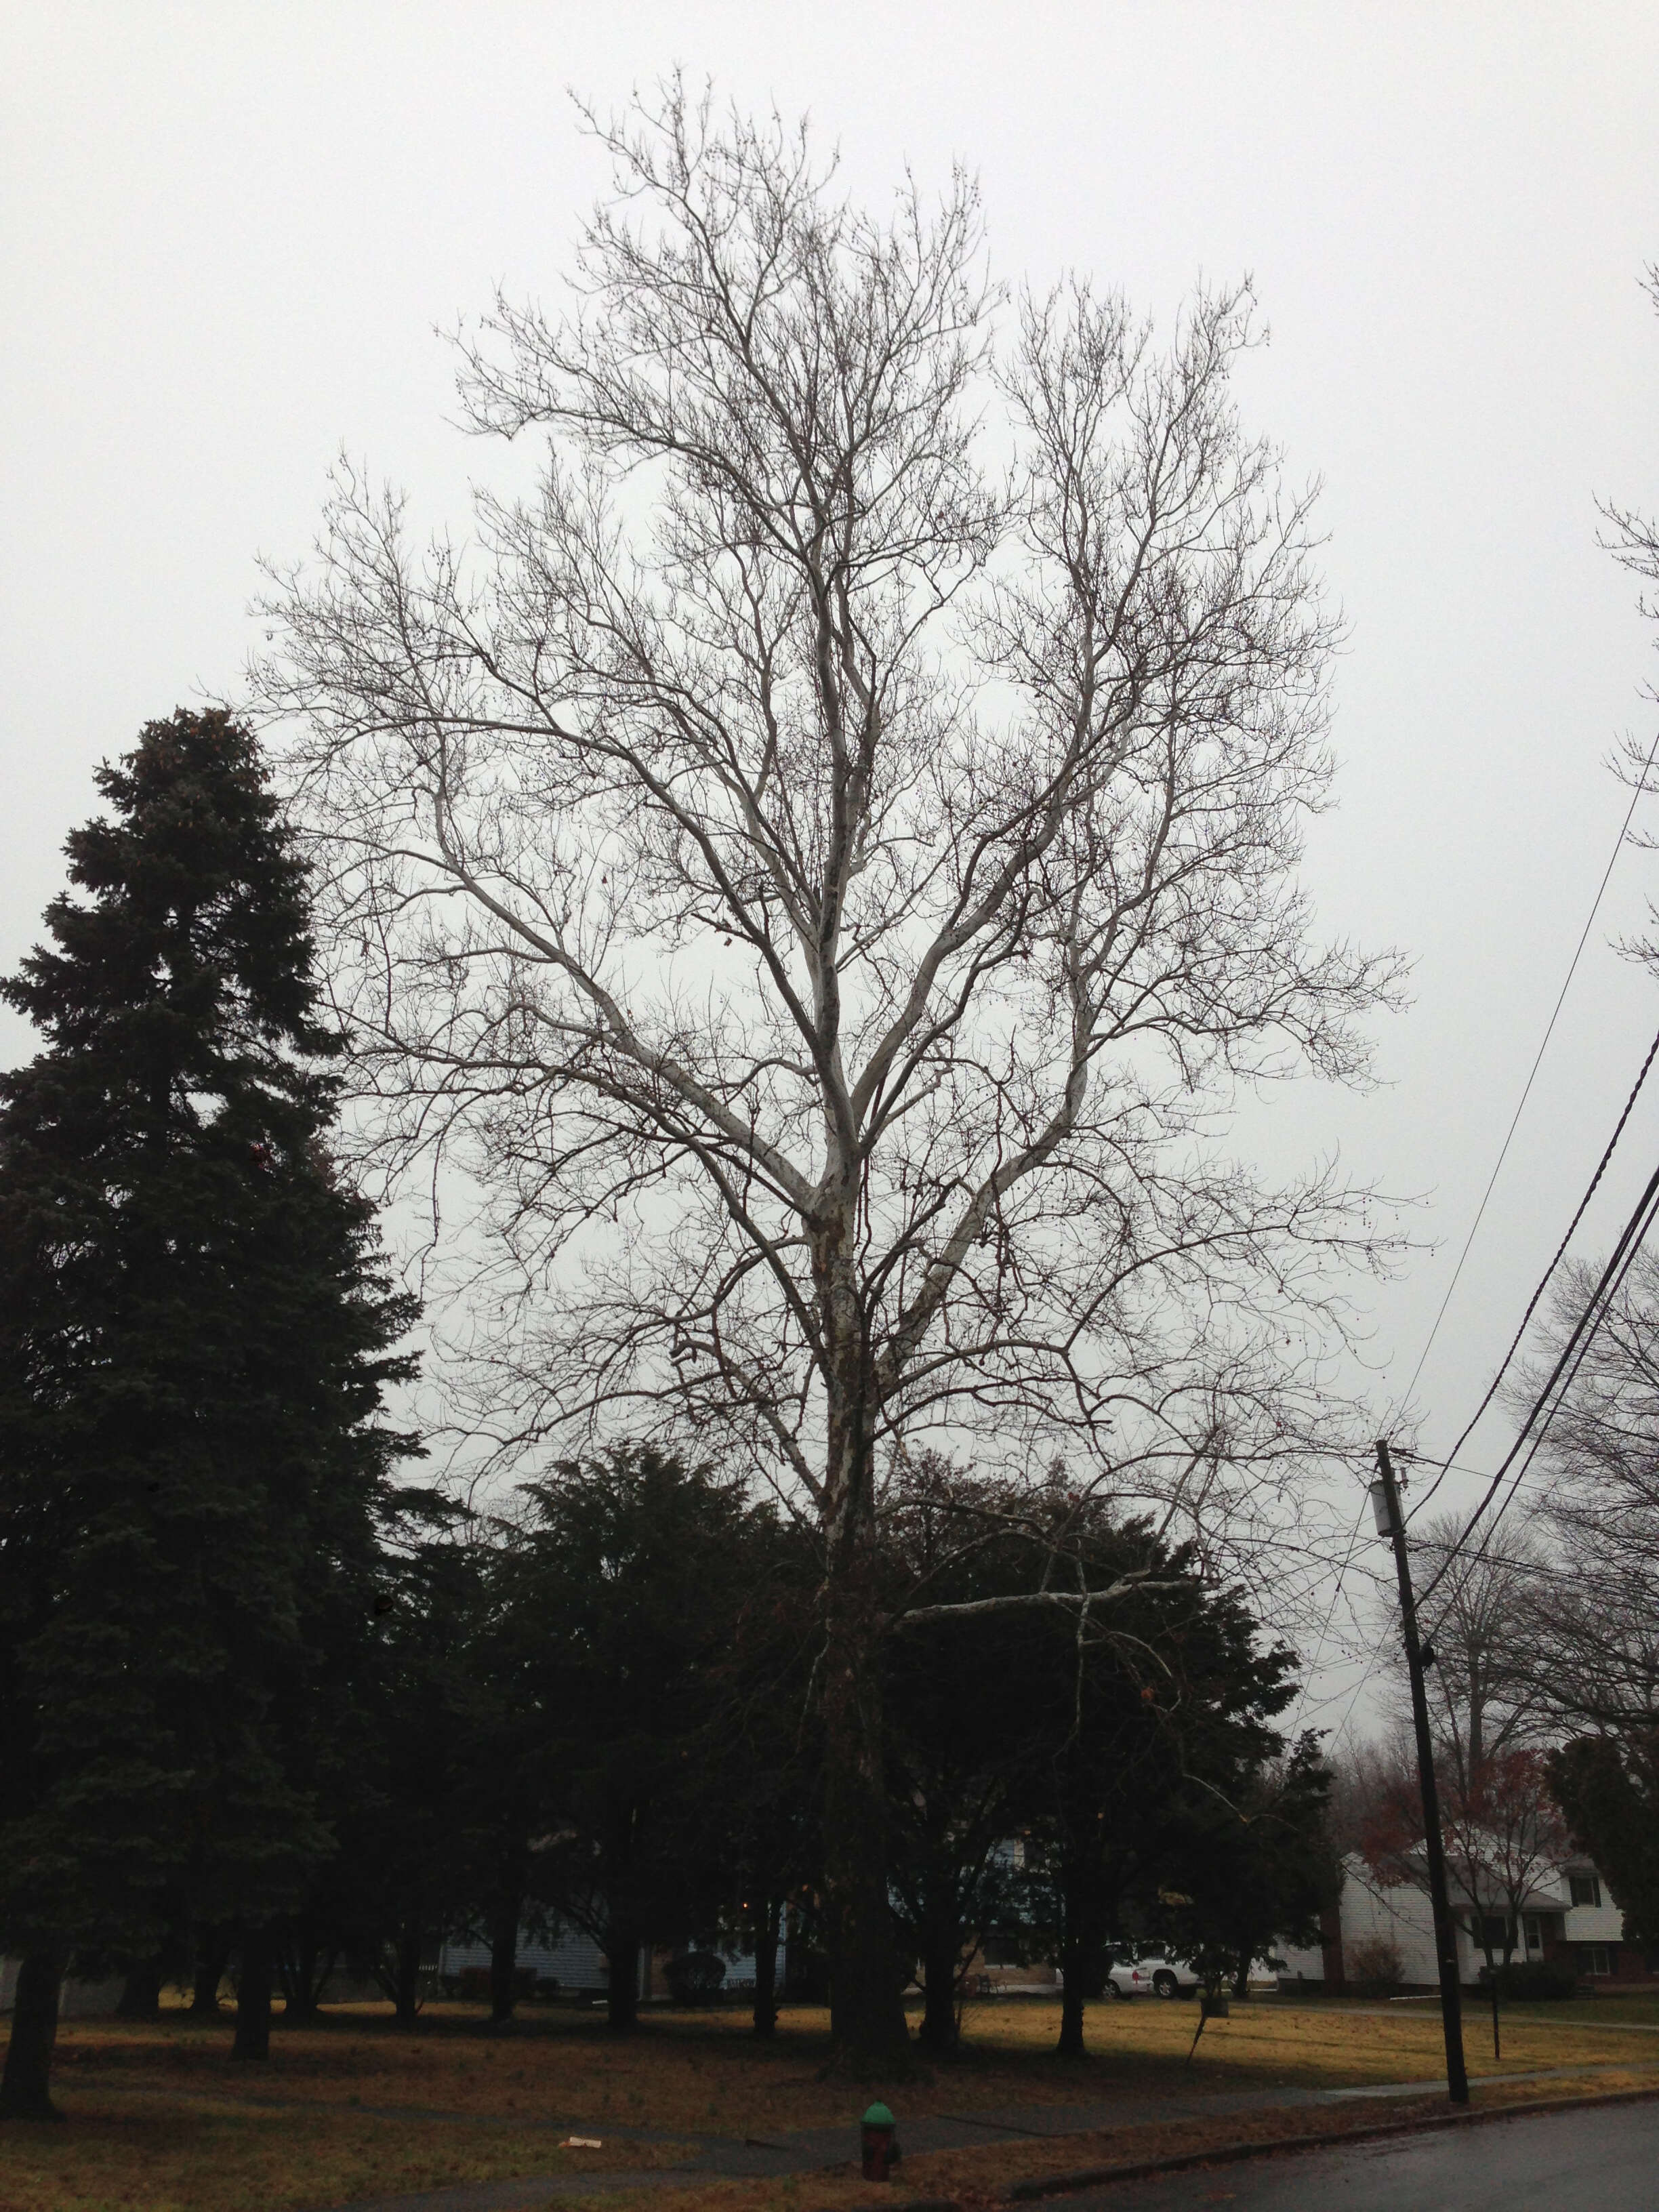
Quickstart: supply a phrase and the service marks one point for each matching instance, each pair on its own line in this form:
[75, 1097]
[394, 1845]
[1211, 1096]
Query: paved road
[1605, 2160]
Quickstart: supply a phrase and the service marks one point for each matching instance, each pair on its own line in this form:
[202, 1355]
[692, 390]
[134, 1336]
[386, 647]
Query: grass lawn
[159, 2118]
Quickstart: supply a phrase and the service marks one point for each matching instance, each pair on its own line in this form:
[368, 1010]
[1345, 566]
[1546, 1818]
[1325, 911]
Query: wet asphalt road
[1605, 2160]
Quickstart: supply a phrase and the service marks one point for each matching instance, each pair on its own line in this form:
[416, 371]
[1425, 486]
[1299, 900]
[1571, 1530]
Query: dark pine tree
[195, 1335]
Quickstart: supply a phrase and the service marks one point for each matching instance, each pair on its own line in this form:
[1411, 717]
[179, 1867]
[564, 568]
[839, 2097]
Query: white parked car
[1149, 1974]
[1155, 1974]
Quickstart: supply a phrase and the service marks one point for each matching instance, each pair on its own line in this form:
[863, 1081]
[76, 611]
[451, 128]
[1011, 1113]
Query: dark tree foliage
[755, 1810]
[1173, 1701]
[1243, 1871]
[507, 1765]
[622, 1584]
[398, 1777]
[1608, 1789]
[964, 1755]
[1063, 1760]
[195, 1334]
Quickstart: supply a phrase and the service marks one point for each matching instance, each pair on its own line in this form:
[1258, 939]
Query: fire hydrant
[878, 2142]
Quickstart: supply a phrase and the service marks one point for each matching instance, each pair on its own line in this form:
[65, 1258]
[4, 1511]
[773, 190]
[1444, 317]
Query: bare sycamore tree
[824, 862]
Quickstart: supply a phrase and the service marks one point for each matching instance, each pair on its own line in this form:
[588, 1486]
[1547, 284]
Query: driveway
[1604, 2160]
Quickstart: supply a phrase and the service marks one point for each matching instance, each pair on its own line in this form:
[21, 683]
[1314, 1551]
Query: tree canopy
[197, 1332]
[825, 860]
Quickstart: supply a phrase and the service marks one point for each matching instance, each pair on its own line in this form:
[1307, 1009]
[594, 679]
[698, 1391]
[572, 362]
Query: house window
[1494, 1933]
[1595, 1958]
[1533, 1928]
[1586, 1889]
[1003, 1947]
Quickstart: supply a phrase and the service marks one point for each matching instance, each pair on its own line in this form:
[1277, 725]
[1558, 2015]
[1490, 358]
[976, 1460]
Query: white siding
[1404, 1916]
[573, 1959]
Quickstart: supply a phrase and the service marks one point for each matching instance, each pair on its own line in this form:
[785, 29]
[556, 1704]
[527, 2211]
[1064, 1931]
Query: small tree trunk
[212, 1956]
[622, 1950]
[1330, 1944]
[406, 1999]
[25, 2087]
[767, 1916]
[1082, 1955]
[306, 1968]
[940, 1963]
[141, 1992]
[503, 1953]
[253, 1993]
[867, 2006]
[1070, 2044]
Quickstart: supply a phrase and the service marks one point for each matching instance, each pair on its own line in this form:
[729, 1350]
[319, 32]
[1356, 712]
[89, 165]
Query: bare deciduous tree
[1594, 1644]
[1592, 1641]
[1484, 1699]
[1504, 1838]
[828, 858]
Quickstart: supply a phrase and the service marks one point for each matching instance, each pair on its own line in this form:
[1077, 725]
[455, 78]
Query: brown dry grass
[121, 2155]
[704, 2072]
[163, 2122]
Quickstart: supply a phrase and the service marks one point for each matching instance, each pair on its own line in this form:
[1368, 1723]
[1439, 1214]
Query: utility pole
[1385, 1504]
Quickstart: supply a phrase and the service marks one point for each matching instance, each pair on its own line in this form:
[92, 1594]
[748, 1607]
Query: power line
[1543, 1283]
[1612, 1275]
[1566, 1386]
[1370, 1669]
[1583, 938]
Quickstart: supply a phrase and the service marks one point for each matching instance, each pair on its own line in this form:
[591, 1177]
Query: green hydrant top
[877, 2117]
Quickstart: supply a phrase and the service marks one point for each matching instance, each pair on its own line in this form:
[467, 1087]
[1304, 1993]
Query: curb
[1093, 2177]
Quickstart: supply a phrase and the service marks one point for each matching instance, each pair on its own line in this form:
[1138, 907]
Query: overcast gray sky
[230, 229]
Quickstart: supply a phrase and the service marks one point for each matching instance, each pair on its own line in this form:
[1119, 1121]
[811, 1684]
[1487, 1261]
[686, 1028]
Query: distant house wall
[1588, 1937]
[76, 2000]
[1303, 1962]
[575, 1962]
[1400, 1915]
[573, 1959]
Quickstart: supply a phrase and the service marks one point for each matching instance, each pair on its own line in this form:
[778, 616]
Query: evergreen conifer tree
[195, 1335]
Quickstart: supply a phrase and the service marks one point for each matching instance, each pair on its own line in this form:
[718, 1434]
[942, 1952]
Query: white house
[1567, 1918]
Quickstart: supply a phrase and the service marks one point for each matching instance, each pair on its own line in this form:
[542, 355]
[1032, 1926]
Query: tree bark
[305, 1969]
[622, 1951]
[406, 1985]
[1082, 1956]
[253, 1993]
[25, 2087]
[212, 1956]
[1070, 2044]
[141, 1992]
[866, 2011]
[941, 1960]
[504, 1942]
[767, 1916]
